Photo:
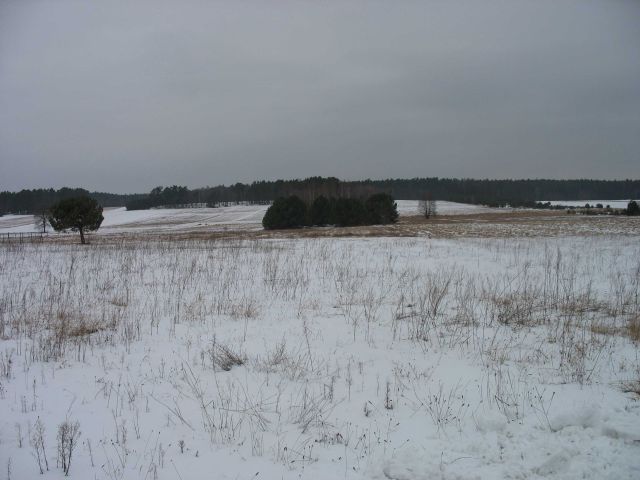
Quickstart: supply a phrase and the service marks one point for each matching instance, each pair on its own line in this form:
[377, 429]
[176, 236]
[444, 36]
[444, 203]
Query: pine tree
[381, 209]
[79, 214]
[288, 212]
[322, 211]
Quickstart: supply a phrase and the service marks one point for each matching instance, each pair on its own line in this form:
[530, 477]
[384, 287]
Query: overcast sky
[122, 96]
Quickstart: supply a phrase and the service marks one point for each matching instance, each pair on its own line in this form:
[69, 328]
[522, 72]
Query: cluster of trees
[162, 197]
[632, 208]
[293, 212]
[38, 200]
[548, 206]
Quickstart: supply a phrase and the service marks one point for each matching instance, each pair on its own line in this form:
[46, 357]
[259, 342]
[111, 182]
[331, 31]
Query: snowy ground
[380, 358]
[119, 220]
[410, 207]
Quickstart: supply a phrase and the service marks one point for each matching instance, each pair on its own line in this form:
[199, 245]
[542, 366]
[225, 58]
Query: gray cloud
[122, 96]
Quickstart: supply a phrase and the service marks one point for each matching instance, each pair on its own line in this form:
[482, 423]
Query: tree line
[512, 192]
[39, 200]
[496, 193]
[293, 212]
[487, 192]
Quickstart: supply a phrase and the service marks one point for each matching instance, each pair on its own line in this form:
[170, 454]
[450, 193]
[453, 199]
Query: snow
[410, 207]
[118, 220]
[363, 358]
[122, 220]
[182, 219]
[17, 224]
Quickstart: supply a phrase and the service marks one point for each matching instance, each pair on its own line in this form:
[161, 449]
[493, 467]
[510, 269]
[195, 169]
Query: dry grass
[604, 329]
[631, 386]
[633, 328]
[520, 310]
[511, 224]
[508, 224]
[83, 330]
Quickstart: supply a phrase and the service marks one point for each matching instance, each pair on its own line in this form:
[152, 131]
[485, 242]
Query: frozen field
[410, 207]
[380, 358]
[119, 220]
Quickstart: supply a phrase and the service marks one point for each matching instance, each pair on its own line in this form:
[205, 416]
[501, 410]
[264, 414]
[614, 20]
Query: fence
[22, 237]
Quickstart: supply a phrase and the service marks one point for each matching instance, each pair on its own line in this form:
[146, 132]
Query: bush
[285, 213]
[633, 209]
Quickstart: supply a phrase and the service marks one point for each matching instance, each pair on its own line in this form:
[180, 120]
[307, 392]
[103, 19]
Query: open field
[504, 346]
[118, 220]
[242, 217]
[454, 220]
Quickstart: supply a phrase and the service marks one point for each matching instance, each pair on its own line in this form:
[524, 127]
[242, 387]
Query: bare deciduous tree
[427, 208]
[40, 221]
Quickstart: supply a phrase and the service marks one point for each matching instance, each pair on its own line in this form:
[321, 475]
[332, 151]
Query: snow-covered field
[410, 207]
[379, 358]
[118, 220]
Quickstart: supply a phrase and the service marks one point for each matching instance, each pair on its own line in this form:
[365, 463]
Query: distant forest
[38, 200]
[487, 192]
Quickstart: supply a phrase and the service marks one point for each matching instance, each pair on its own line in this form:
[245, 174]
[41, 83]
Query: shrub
[285, 213]
[633, 209]
[68, 434]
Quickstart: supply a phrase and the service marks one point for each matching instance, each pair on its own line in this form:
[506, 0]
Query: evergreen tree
[288, 212]
[633, 209]
[381, 209]
[79, 214]
[349, 212]
[322, 211]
